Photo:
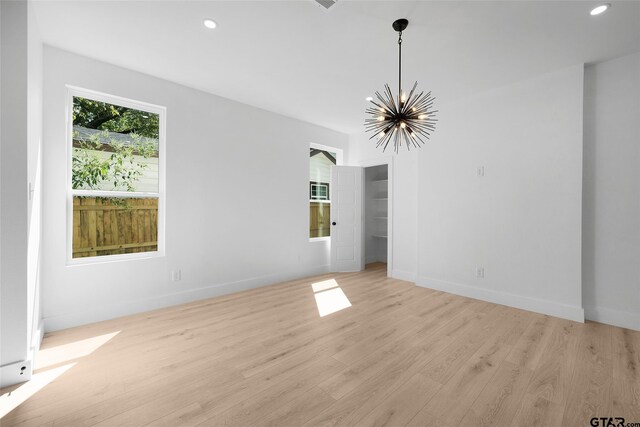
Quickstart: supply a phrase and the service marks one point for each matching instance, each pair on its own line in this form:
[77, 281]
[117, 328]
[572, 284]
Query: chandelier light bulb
[381, 118]
[403, 125]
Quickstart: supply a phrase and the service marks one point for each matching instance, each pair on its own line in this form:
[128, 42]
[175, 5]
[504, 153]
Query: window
[319, 191]
[320, 161]
[116, 171]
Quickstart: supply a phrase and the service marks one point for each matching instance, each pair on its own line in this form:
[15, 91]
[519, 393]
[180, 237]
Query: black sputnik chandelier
[407, 120]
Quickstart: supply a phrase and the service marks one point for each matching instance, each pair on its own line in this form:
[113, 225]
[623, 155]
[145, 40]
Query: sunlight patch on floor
[12, 399]
[48, 357]
[323, 286]
[74, 350]
[329, 297]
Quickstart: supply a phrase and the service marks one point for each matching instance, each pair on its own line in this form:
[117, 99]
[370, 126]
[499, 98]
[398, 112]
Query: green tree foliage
[103, 162]
[90, 171]
[103, 116]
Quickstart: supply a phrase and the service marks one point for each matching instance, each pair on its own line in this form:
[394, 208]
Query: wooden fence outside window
[101, 227]
[320, 217]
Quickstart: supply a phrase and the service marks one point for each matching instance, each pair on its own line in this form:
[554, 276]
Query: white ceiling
[294, 58]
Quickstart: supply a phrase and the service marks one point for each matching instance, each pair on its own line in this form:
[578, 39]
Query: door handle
[333, 223]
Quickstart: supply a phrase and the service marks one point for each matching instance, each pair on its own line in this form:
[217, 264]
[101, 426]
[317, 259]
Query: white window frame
[72, 92]
[339, 162]
[317, 187]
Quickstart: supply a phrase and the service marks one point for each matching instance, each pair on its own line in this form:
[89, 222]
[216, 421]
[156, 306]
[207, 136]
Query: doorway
[376, 216]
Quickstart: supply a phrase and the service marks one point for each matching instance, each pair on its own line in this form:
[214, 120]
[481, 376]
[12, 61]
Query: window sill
[107, 259]
[319, 239]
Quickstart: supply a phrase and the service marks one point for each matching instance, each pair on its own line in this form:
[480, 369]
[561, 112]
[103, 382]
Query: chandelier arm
[413, 102]
[387, 99]
[371, 109]
[424, 128]
[418, 137]
[391, 100]
[386, 140]
[395, 141]
[405, 136]
[422, 123]
[427, 100]
[413, 89]
[423, 105]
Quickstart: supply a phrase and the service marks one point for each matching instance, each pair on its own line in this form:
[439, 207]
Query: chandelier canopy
[407, 120]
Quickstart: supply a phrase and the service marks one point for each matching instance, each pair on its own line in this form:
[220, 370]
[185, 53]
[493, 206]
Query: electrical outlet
[480, 272]
[176, 275]
[480, 171]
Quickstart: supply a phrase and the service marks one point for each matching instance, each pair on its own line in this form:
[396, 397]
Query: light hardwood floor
[400, 355]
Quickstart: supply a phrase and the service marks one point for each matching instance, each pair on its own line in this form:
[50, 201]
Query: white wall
[224, 231]
[34, 178]
[611, 204]
[21, 124]
[13, 208]
[521, 221]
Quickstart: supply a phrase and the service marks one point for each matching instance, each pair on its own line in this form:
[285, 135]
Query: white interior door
[346, 218]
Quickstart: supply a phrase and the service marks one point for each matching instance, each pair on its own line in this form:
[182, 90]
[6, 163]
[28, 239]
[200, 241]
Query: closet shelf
[379, 236]
[380, 180]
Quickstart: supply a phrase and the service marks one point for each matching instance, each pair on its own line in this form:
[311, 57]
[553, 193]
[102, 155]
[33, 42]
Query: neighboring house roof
[315, 152]
[82, 134]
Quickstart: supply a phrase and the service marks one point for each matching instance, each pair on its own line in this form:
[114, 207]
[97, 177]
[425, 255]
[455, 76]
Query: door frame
[379, 161]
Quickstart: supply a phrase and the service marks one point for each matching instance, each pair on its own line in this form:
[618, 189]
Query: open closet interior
[376, 213]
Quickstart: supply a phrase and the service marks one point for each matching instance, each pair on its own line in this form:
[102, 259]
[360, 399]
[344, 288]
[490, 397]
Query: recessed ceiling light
[600, 9]
[369, 98]
[209, 23]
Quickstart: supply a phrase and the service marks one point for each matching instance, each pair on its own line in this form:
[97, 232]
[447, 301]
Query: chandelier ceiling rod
[400, 62]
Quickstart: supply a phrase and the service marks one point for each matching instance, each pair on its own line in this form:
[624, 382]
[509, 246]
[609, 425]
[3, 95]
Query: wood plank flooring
[400, 355]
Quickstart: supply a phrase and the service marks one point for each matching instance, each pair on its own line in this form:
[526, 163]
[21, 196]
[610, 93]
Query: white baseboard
[125, 308]
[623, 319]
[517, 301]
[15, 373]
[409, 276]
